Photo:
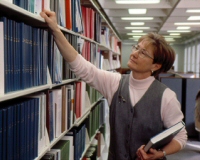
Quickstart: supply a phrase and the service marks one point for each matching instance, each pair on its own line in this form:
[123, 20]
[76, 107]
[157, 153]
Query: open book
[163, 138]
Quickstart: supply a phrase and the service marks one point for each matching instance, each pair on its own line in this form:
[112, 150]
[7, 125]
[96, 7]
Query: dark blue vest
[131, 127]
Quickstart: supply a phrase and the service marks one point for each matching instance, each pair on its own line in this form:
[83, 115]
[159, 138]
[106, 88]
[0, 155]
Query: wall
[179, 50]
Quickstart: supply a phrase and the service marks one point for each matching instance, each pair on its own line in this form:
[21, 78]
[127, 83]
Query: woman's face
[140, 64]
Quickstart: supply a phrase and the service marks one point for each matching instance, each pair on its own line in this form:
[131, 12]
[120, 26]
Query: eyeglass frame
[141, 51]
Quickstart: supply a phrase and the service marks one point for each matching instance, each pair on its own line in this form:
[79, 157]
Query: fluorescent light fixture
[136, 40]
[141, 34]
[137, 23]
[174, 34]
[136, 1]
[179, 31]
[187, 23]
[193, 10]
[137, 11]
[137, 31]
[137, 27]
[185, 27]
[136, 36]
[137, 18]
[168, 38]
[194, 18]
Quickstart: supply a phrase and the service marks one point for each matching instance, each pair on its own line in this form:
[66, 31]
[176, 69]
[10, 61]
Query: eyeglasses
[141, 52]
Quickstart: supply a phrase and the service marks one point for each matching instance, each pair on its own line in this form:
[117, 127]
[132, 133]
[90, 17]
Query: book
[2, 70]
[163, 138]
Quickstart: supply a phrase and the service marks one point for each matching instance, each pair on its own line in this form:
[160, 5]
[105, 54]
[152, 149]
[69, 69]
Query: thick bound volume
[163, 138]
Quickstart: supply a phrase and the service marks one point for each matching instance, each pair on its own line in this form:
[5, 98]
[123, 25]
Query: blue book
[52, 127]
[18, 131]
[32, 129]
[45, 54]
[69, 108]
[22, 55]
[30, 56]
[35, 55]
[163, 138]
[4, 143]
[17, 56]
[50, 56]
[9, 138]
[36, 124]
[22, 131]
[28, 127]
[10, 56]
[14, 131]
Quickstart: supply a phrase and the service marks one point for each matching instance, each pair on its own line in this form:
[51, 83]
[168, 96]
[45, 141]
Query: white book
[71, 87]
[58, 153]
[37, 7]
[42, 134]
[83, 89]
[57, 95]
[163, 138]
[2, 72]
[47, 4]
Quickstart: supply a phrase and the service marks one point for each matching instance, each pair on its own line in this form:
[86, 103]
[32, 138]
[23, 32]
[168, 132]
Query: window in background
[185, 60]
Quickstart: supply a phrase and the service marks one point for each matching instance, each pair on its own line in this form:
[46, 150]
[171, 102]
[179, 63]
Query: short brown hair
[163, 52]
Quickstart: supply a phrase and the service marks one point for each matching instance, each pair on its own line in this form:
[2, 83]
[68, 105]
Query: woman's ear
[156, 66]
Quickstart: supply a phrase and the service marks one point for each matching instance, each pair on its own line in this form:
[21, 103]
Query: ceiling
[165, 14]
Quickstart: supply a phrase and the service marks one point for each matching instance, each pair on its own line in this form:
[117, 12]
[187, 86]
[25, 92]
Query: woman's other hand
[152, 154]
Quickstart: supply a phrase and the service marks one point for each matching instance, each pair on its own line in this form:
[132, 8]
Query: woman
[140, 106]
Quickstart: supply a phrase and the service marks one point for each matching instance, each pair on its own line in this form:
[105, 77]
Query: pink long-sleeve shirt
[107, 84]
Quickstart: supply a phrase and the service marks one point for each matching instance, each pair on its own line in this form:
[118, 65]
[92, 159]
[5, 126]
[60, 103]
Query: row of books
[28, 125]
[23, 55]
[70, 147]
[95, 119]
[33, 6]
[111, 61]
[20, 134]
[91, 23]
[68, 12]
[78, 135]
[28, 54]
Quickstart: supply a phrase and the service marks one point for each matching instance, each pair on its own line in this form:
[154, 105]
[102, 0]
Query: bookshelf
[12, 98]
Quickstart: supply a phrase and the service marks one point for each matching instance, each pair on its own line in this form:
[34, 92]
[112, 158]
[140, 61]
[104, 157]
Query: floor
[190, 152]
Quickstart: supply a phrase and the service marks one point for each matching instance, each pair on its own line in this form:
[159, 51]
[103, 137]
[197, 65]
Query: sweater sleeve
[171, 114]
[104, 81]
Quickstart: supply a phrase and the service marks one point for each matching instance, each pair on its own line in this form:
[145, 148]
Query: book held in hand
[163, 138]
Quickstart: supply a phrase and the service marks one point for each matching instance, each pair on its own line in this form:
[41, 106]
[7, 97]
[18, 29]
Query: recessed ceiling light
[184, 27]
[179, 31]
[137, 11]
[137, 18]
[137, 1]
[136, 36]
[194, 18]
[137, 23]
[193, 10]
[170, 40]
[174, 34]
[187, 23]
[137, 27]
[137, 31]
[141, 34]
